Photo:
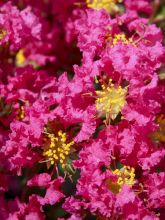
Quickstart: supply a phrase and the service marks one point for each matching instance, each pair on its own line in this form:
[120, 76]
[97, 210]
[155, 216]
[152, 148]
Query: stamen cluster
[110, 100]
[126, 175]
[56, 150]
[109, 5]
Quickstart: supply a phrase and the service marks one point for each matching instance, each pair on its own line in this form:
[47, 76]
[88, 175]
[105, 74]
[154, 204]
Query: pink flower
[91, 28]
[139, 6]
[154, 184]
[53, 192]
[81, 111]
[18, 27]
[29, 211]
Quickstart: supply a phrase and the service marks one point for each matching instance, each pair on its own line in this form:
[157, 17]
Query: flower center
[57, 148]
[20, 58]
[2, 33]
[110, 100]
[126, 175]
[21, 109]
[109, 5]
[21, 113]
[119, 38]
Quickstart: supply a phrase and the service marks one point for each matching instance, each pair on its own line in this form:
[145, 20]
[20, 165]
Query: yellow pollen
[119, 38]
[56, 150]
[110, 100]
[109, 5]
[20, 58]
[125, 175]
[21, 113]
[2, 33]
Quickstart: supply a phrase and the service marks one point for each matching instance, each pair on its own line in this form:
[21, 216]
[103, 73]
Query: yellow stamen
[21, 113]
[125, 175]
[109, 5]
[2, 33]
[110, 100]
[56, 149]
[119, 38]
[20, 58]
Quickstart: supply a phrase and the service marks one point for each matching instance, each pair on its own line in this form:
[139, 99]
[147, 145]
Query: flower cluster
[82, 111]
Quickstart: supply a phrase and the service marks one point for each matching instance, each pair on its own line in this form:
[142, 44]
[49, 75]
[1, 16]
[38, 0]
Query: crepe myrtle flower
[86, 143]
